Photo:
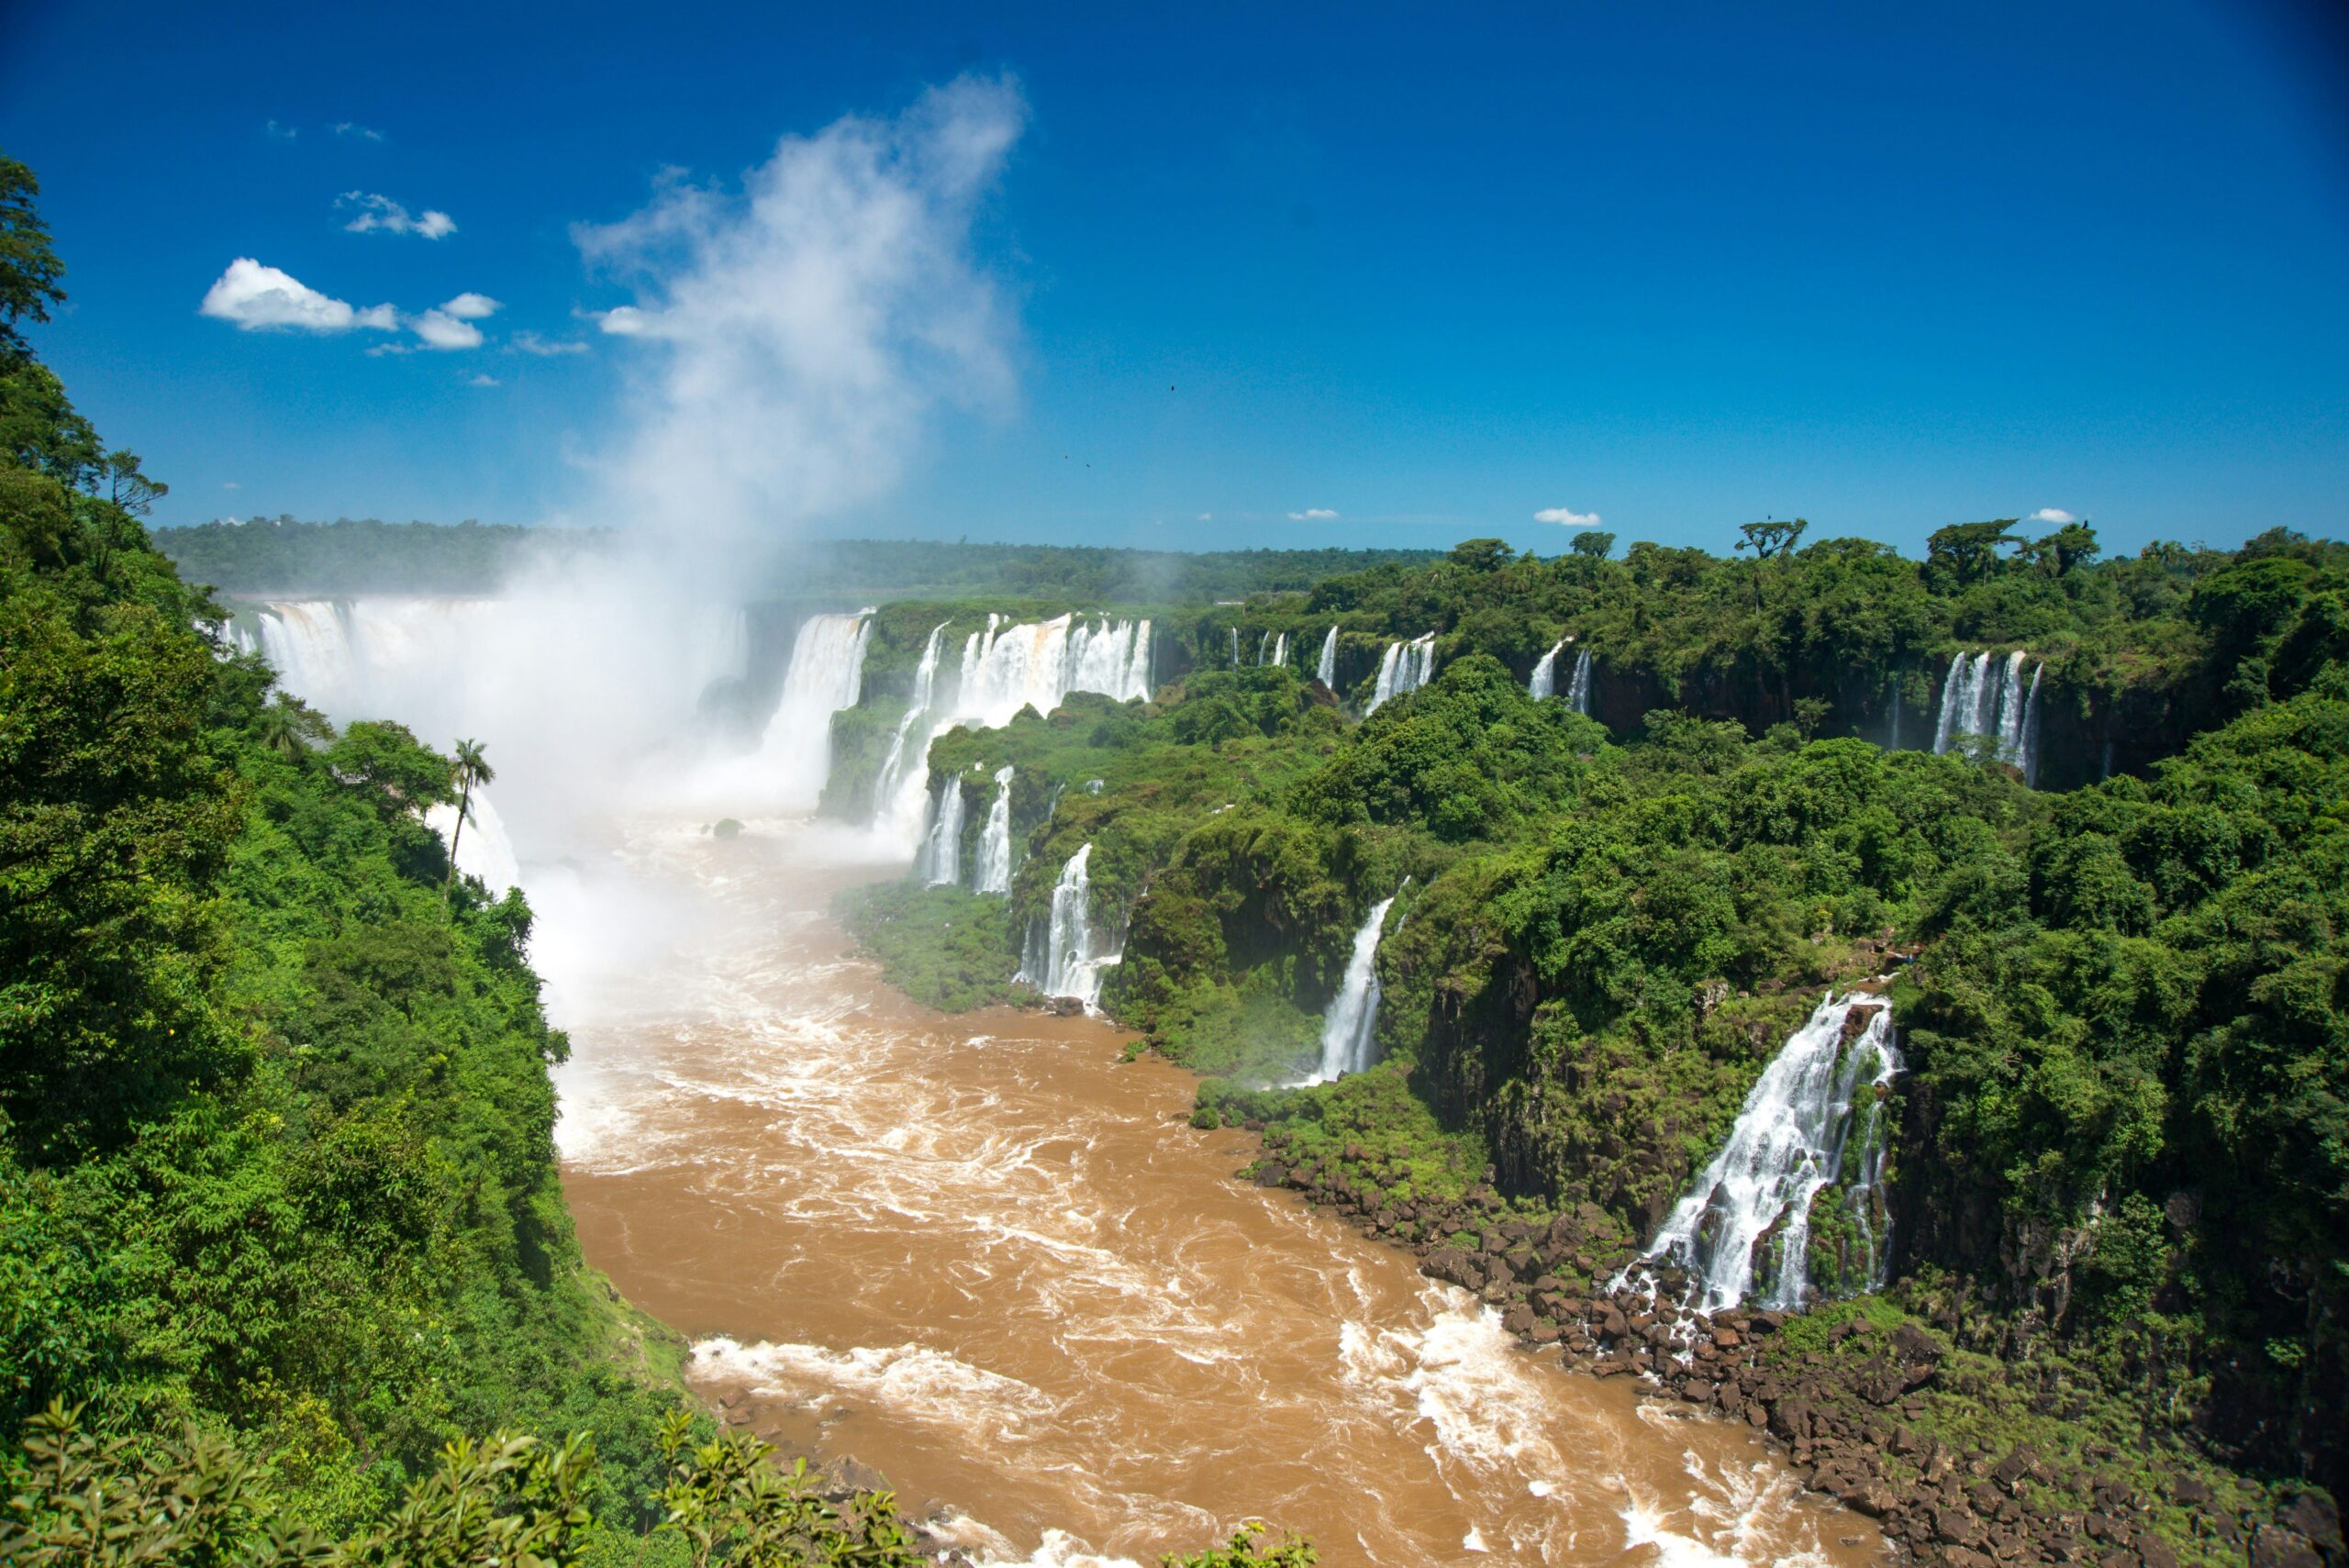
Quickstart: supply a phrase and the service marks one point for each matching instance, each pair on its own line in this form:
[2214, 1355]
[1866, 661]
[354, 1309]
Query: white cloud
[282, 132]
[230, 484]
[623, 321]
[1568, 515]
[529, 342]
[441, 330]
[470, 306]
[1312, 514]
[381, 214]
[798, 335]
[348, 128]
[482, 381]
[1207, 517]
[2051, 514]
[254, 296]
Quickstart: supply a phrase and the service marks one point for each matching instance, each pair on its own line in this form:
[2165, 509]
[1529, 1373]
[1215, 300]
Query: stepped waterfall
[1815, 1118]
[1578, 684]
[1987, 697]
[993, 873]
[1325, 669]
[1403, 667]
[1064, 956]
[482, 849]
[1544, 681]
[941, 859]
[1350, 1027]
[1003, 670]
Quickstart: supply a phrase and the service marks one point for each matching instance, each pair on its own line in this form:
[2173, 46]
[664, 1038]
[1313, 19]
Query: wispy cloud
[349, 128]
[1312, 515]
[797, 337]
[2051, 514]
[383, 214]
[1568, 515]
[281, 132]
[483, 379]
[529, 342]
[256, 297]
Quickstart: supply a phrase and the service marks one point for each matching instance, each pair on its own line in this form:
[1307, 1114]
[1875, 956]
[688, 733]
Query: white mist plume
[798, 333]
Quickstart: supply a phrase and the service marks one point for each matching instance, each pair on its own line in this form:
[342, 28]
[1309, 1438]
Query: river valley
[989, 1256]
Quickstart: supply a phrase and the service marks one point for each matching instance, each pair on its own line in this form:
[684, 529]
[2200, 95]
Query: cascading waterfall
[940, 860]
[482, 849]
[994, 870]
[1066, 957]
[885, 785]
[1264, 648]
[1403, 667]
[1280, 650]
[1349, 1028]
[1984, 697]
[1815, 1118]
[1578, 684]
[1325, 669]
[826, 675]
[1545, 682]
[1004, 669]
[1235, 648]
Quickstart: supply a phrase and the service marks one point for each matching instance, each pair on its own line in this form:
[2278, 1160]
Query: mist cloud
[796, 336]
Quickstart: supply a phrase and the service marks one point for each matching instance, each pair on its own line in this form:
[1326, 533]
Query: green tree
[29, 268]
[1592, 542]
[472, 770]
[1967, 552]
[1771, 538]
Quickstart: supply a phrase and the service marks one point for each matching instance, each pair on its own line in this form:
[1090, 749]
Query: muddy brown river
[989, 1256]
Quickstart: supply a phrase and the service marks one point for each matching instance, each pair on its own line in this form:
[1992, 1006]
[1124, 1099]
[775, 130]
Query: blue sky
[1432, 270]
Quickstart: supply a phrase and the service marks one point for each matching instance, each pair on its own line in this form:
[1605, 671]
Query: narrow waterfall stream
[1579, 687]
[1349, 1030]
[993, 873]
[1066, 957]
[1325, 669]
[988, 1255]
[1544, 681]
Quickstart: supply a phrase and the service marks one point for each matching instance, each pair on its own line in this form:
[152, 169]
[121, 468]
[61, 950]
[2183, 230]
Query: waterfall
[1403, 667]
[1990, 700]
[1546, 674]
[1280, 649]
[1235, 648]
[1326, 669]
[885, 785]
[1264, 647]
[993, 873]
[826, 675]
[1578, 684]
[1066, 958]
[940, 860]
[482, 849]
[1348, 1028]
[1814, 1117]
[1006, 668]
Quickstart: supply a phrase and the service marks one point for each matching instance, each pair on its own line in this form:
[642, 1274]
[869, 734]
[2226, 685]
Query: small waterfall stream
[1325, 669]
[1578, 685]
[1349, 1028]
[940, 859]
[1544, 681]
[888, 784]
[994, 870]
[1064, 956]
[1813, 1119]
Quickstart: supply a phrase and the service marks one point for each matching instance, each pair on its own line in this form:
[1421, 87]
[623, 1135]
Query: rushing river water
[989, 1256]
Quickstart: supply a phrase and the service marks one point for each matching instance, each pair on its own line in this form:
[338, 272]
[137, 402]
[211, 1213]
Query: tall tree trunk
[465, 804]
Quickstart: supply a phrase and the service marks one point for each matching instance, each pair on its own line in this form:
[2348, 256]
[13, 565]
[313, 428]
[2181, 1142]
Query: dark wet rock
[2314, 1515]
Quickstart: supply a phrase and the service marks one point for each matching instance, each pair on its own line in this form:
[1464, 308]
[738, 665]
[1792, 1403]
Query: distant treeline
[365, 556]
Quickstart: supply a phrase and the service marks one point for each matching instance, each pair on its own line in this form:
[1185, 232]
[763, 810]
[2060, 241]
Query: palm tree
[289, 726]
[471, 768]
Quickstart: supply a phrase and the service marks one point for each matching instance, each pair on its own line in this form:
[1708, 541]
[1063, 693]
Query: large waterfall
[1403, 667]
[826, 675]
[1004, 669]
[940, 859]
[1066, 958]
[1815, 1116]
[482, 849]
[887, 783]
[1350, 1027]
[993, 873]
[1325, 669]
[1578, 685]
[1546, 674]
[1988, 697]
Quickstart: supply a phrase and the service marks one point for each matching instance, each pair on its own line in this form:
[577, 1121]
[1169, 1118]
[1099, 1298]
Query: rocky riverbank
[1870, 1404]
